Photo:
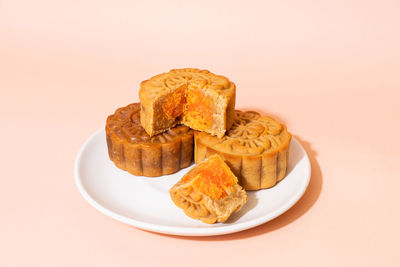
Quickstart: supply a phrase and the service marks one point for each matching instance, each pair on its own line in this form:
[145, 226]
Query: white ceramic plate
[144, 202]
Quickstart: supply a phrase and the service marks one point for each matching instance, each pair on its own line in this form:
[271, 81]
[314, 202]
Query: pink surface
[330, 71]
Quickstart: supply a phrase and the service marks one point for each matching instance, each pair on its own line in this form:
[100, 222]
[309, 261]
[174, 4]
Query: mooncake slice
[256, 149]
[133, 150]
[209, 192]
[197, 98]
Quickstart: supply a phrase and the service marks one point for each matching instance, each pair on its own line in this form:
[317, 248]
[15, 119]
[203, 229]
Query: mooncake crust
[133, 150]
[205, 205]
[155, 90]
[256, 148]
[196, 205]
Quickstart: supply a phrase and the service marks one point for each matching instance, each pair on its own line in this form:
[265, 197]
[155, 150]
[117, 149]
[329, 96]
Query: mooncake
[256, 149]
[209, 192]
[133, 150]
[196, 98]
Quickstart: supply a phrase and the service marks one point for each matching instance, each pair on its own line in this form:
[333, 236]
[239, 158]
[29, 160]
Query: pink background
[330, 71]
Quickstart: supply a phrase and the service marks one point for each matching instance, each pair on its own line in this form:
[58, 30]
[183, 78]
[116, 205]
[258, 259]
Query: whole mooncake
[197, 98]
[209, 192]
[133, 150]
[256, 148]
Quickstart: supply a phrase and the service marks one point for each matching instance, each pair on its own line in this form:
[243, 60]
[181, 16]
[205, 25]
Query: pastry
[133, 150]
[256, 148]
[197, 98]
[209, 192]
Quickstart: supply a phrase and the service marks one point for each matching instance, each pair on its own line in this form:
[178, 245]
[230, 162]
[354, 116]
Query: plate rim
[186, 231]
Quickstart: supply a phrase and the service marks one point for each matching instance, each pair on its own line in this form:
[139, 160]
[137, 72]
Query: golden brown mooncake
[197, 98]
[133, 150]
[209, 192]
[256, 149]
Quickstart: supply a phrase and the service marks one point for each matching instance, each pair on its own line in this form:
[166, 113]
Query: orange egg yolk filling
[193, 104]
[174, 105]
[212, 178]
[198, 109]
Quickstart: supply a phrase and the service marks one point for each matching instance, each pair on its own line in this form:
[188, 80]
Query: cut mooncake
[209, 192]
[133, 150]
[256, 149]
[196, 98]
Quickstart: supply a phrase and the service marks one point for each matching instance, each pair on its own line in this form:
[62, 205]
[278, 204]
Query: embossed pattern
[177, 77]
[191, 203]
[252, 134]
[126, 123]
